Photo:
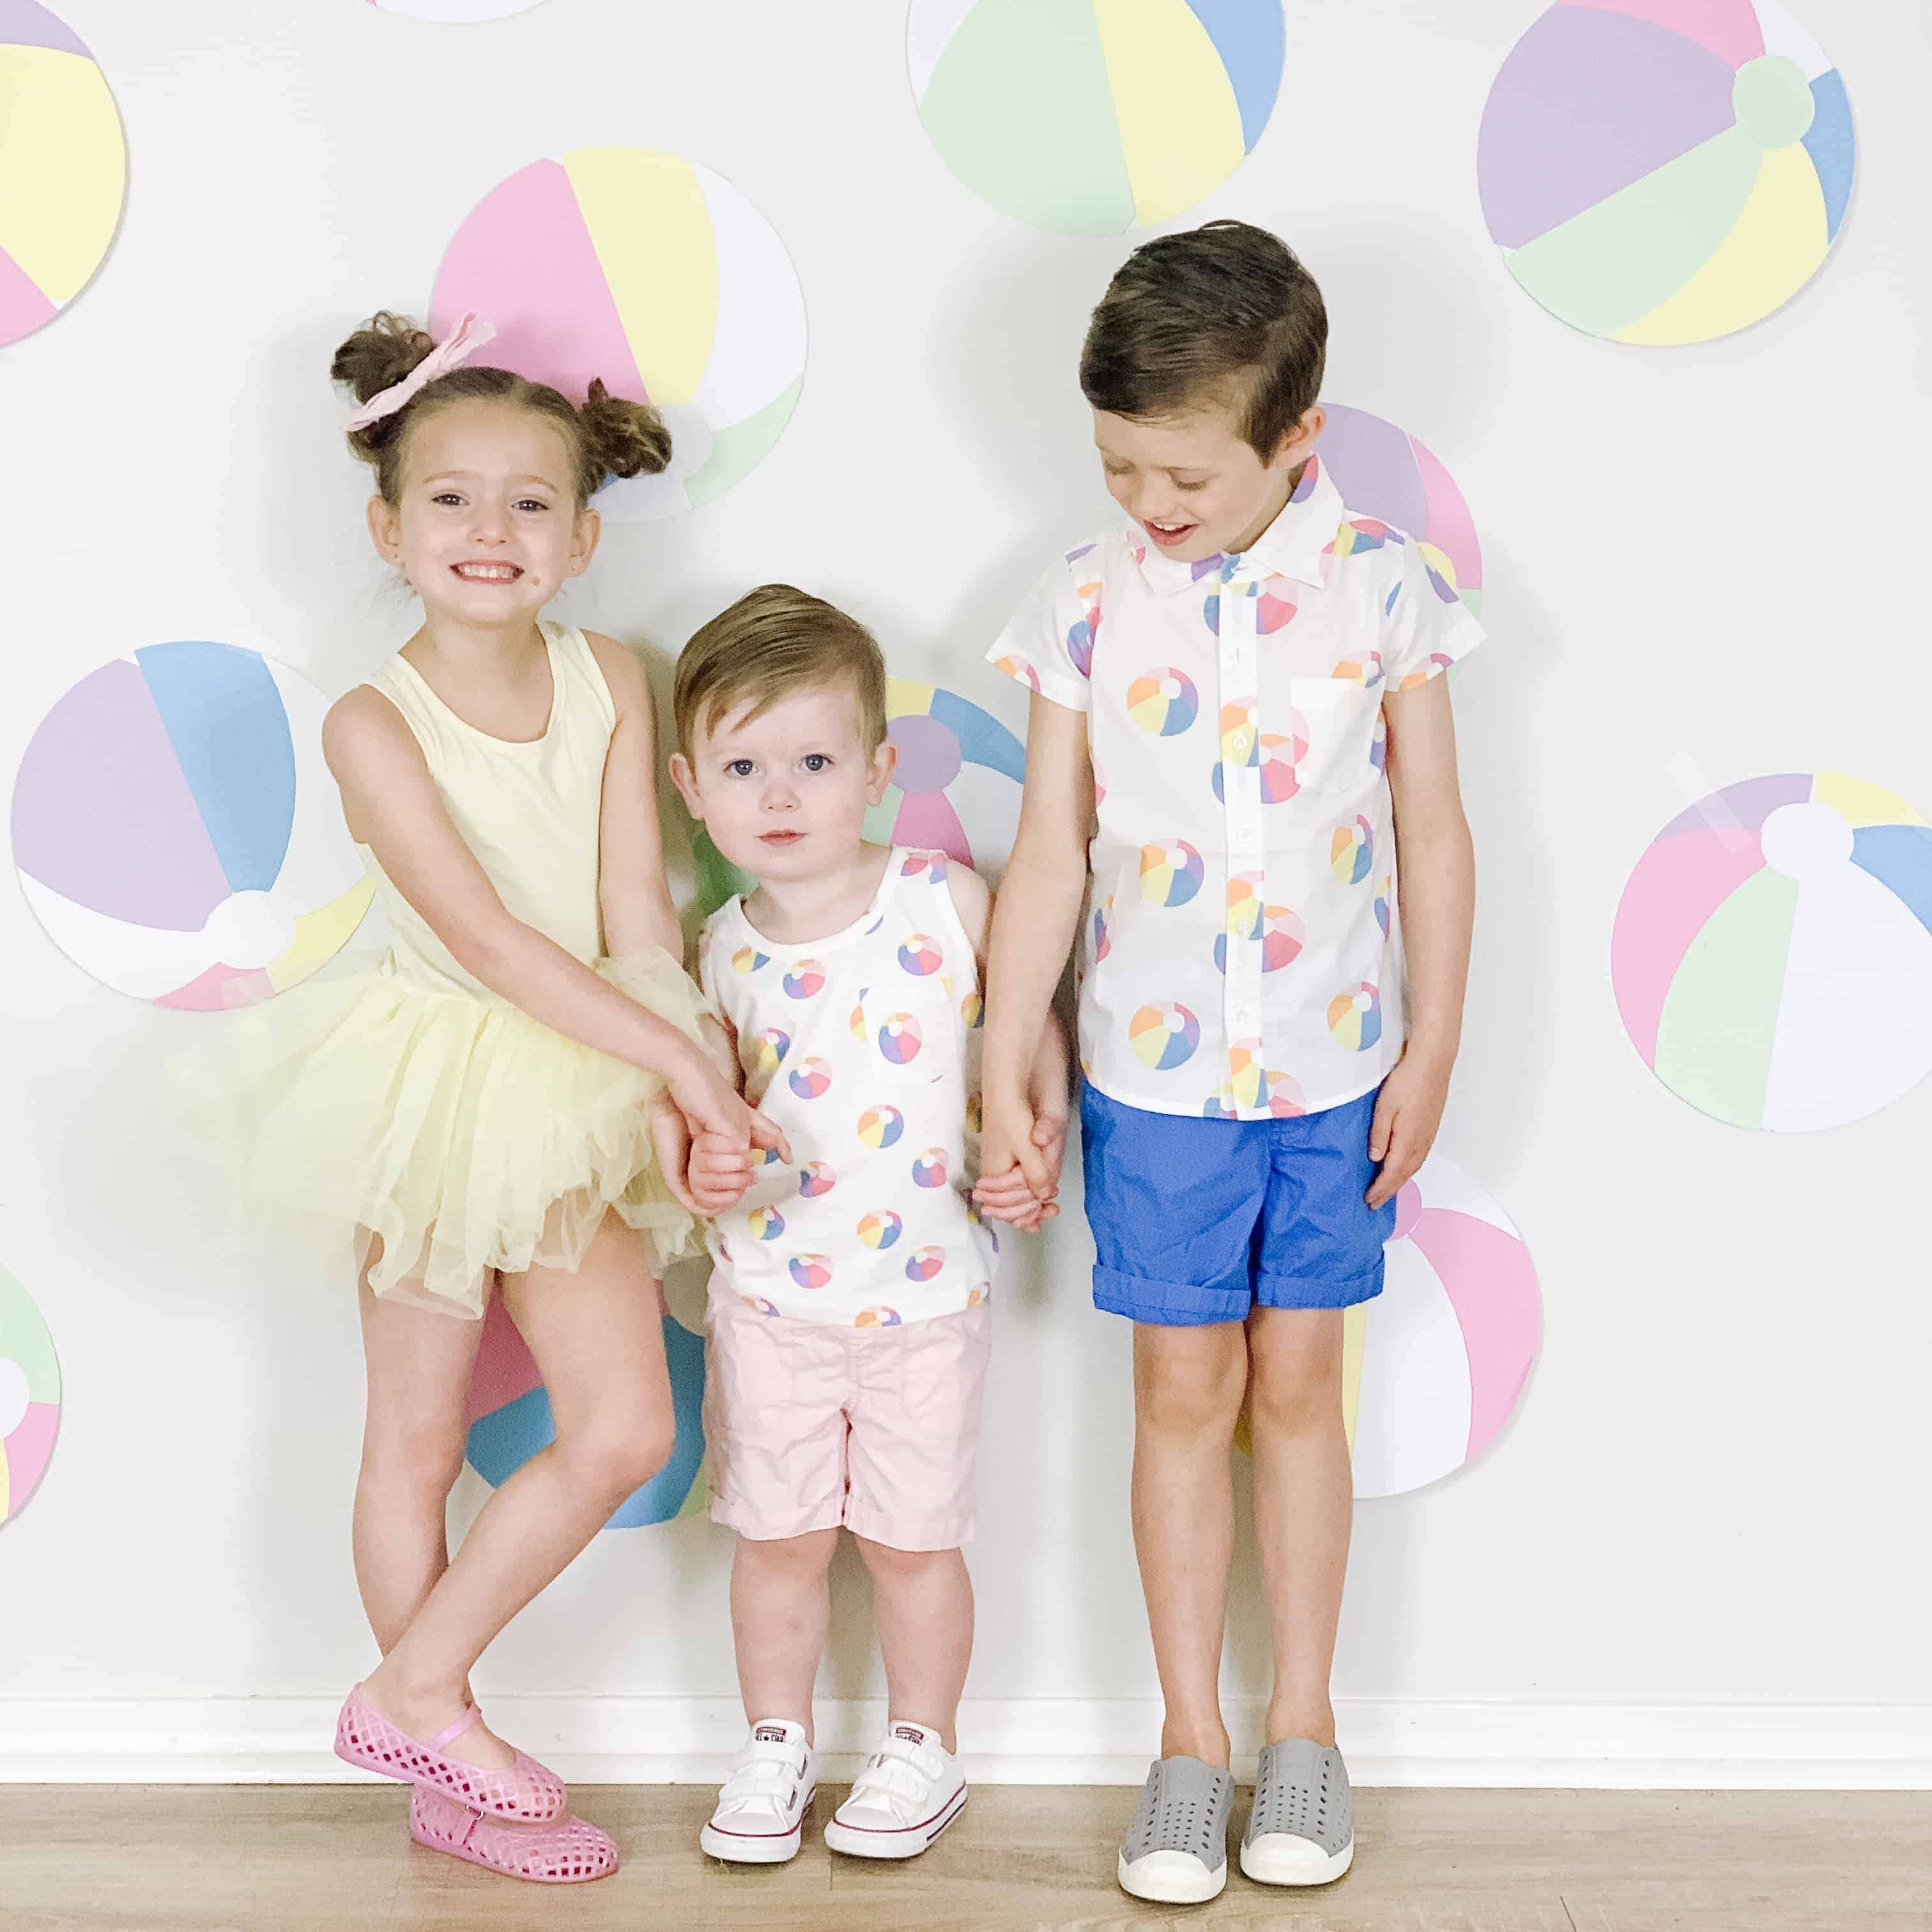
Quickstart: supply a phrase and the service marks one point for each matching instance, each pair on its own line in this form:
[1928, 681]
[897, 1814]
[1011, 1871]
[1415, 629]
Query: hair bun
[621, 438]
[376, 357]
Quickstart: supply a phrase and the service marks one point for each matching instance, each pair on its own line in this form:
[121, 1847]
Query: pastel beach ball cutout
[1089, 117]
[1434, 1366]
[30, 1396]
[63, 167]
[1385, 473]
[176, 832]
[510, 1420]
[652, 273]
[1771, 956]
[1665, 172]
[956, 780]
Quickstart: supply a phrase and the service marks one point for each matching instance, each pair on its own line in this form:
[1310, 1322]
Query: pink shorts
[808, 1426]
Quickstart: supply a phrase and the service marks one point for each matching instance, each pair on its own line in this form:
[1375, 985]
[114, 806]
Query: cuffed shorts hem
[766, 1526]
[916, 1536]
[1167, 1304]
[1283, 1291]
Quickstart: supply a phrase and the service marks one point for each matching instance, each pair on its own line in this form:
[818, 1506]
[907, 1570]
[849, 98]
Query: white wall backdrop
[1698, 1554]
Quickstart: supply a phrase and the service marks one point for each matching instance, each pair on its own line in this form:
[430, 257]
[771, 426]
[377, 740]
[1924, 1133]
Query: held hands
[705, 1152]
[1408, 1113]
[1020, 1154]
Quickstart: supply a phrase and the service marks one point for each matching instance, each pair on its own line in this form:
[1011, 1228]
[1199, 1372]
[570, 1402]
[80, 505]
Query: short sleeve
[1425, 628]
[1048, 642]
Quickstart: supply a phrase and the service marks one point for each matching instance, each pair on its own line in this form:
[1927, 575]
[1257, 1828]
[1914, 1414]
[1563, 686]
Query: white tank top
[865, 1048]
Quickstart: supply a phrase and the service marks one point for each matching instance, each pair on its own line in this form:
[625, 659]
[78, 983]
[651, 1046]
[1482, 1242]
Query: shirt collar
[1293, 545]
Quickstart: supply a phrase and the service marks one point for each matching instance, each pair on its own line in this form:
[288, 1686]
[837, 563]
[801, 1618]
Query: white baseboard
[1015, 1741]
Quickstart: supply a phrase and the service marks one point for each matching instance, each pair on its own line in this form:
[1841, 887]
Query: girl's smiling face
[487, 528]
[1193, 483]
[784, 795]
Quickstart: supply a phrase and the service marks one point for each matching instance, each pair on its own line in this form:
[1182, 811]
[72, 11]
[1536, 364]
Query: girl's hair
[607, 437]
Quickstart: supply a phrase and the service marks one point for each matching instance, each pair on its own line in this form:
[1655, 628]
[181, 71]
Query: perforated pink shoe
[526, 1791]
[567, 1853]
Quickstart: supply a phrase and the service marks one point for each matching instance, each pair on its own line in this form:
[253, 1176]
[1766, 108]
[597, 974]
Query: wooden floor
[256, 1859]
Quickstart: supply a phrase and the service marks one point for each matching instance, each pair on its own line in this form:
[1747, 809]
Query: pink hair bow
[455, 348]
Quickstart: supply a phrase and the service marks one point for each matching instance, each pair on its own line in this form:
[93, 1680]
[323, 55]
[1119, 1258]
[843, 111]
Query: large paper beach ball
[30, 1396]
[1384, 473]
[1087, 117]
[63, 167]
[955, 787]
[510, 1420]
[177, 832]
[652, 273]
[1772, 953]
[1665, 171]
[1434, 1365]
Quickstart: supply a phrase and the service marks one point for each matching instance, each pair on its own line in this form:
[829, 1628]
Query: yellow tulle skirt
[466, 1135]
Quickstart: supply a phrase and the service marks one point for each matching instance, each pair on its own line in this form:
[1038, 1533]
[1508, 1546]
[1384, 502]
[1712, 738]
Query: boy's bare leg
[1304, 1506]
[1188, 1384]
[781, 1603]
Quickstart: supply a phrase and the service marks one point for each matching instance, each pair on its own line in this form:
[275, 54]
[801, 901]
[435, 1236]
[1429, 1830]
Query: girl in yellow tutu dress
[497, 1108]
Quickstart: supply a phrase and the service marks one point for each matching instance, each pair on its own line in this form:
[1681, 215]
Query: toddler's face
[784, 795]
[1191, 482]
[488, 529]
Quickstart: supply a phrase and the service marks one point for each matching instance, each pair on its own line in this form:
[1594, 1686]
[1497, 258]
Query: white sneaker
[761, 1809]
[910, 1789]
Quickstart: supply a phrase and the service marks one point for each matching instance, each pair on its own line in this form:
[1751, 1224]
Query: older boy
[1238, 706]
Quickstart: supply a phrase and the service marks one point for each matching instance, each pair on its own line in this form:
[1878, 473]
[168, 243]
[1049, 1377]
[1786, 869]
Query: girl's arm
[1033, 929]
[391, 805]
[632, 891]
[1436, 885]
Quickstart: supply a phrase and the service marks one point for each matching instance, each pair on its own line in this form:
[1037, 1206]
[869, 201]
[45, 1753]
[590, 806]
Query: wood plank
[291, 1858]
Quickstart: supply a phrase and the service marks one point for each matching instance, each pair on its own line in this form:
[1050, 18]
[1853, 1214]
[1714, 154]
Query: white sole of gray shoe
[1171, 1878]
[1278, 1858]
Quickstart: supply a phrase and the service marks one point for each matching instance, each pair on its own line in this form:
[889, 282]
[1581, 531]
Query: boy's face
[784, 795]
[487, 529]
[1192, 482]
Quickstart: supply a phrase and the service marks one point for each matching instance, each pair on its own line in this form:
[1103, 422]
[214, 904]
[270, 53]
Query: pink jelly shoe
[567, 1852]
[527, 1791]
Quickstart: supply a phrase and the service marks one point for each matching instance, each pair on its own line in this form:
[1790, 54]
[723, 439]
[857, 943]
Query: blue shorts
[1196, 1221]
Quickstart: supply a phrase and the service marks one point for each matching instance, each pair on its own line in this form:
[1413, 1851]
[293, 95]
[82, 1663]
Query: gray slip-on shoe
[1300, 1831]
[1176, 1850]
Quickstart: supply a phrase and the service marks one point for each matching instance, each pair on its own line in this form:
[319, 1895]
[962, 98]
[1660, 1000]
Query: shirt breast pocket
[910, 1031]
[1338, 716]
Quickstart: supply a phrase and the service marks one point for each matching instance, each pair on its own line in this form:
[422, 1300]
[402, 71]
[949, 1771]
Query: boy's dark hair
[606, 436]
[774, 643]
[1220, 317]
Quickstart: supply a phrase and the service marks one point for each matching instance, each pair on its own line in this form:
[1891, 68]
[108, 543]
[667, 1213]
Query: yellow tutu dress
[412, 1101]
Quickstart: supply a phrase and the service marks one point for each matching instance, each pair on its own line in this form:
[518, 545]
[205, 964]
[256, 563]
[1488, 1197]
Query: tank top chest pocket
[908, 1027]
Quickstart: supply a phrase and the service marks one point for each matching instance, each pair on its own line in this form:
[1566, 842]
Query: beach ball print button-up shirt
[1241, 949]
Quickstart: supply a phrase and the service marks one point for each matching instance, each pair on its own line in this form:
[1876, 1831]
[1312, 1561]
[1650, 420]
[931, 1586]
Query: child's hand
[721, 1172]
[712, 1105]
[1408, 1113]
[671, 1141]
[1019, 1165]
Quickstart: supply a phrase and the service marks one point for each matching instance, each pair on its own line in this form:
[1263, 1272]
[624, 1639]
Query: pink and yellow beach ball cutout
[1434, 1366]
[656, 276]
